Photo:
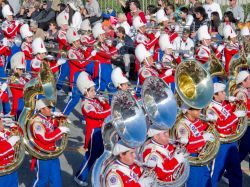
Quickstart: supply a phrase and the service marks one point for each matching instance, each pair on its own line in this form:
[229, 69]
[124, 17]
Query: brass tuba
[195, 87]
[43, 84]
[238, 62]
[19, 153]
[128, 124]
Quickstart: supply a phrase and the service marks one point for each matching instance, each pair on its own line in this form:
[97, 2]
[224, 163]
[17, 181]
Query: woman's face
[132, 7]
[91, 93]
[226, 19]
[198, 15]
[29, 39]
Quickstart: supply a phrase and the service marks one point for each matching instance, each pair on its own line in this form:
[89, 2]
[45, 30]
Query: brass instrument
[19, 153]
[193, 84]
[43, 84]
[238, 62]
[195, 88]
[127, 124]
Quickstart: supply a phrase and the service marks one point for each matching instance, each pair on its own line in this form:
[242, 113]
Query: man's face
[129, 157]
[246, 83]
[46, 111]
[209, 1]
[232, 2]
[163, 137]
[195, 113]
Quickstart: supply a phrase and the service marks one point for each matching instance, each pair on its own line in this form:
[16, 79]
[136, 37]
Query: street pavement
[72, 157]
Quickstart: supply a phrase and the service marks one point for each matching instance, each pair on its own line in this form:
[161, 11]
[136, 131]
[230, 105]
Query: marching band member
[7, 155]
[148, 68]
[86, 35]
[242, 94]
[159, 154]
[148, 40]
[17, 82]
[119, 80]
[39, 52]
[191, 132]
[125, 172]
[5, 51]
[184, 43]
[105, 54]
[45, 135]
[10, 27]
[95, 111]
[202, 52]
[62, 22]
[232, 48]
[226, 119]
[26, 47]
[4, 98]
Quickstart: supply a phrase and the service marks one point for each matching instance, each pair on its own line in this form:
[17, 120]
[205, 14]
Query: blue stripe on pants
[10, 180]
[48, 171]
[63, 73]
[227, 158]
[95, 150]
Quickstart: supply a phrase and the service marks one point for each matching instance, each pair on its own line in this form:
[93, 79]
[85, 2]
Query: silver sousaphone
[128, 123]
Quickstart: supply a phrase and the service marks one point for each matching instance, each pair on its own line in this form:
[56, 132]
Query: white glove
[64, 129]
[61, 61]
[232, 98]
[28, 76]
[13, 140]
[240, 113]
[210, 117]
[57, 114]
[168, 72]
[101, 99]
[180, 157]
[157, 34]
[93, 53]
[208, 137]
[9, 124]
[4, 87]
[5, 42]
[118, 46]
[183, 140]
[17, 22]
[146, 181]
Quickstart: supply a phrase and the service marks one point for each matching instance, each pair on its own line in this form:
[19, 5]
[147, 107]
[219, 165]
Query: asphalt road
[73, 155]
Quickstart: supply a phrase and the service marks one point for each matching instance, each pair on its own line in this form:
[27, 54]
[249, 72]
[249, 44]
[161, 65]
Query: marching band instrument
[43, 84]
[195, 87]
[128, 123]
[193, 84]
[159, 102]
[15, 130]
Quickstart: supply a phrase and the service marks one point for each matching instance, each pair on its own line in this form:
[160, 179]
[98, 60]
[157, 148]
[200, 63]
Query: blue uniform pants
[199, 176]
[104, 77]
[244, 145]
[95, 150]
[28, 67]
[74, 99]
[48, 171]
[10, 180]
[227, 158]
[63, 73]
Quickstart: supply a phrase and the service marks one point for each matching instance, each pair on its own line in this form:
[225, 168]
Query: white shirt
[179, 44]
[214, 7]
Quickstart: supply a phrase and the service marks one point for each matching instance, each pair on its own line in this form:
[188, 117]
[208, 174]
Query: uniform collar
[154, 142]
[121, 163]
[192, 121]
[216, 102]
[43, 116]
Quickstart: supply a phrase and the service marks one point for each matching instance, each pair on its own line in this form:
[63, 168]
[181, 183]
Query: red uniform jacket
[148, 40]
[193, 130]
[121, 174]
[130, 17]
[162, 157]
[16, 88]
[227, 121]
[94, 112]
[36, 65]
[45, 133]
[62, 40]
[6, 149]
[27, 49]
[4, 51]
[10, 29]
[229, 52]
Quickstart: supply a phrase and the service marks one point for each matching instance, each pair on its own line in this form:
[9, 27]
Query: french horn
[19, 152]
[195, 87]
[44, 84]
